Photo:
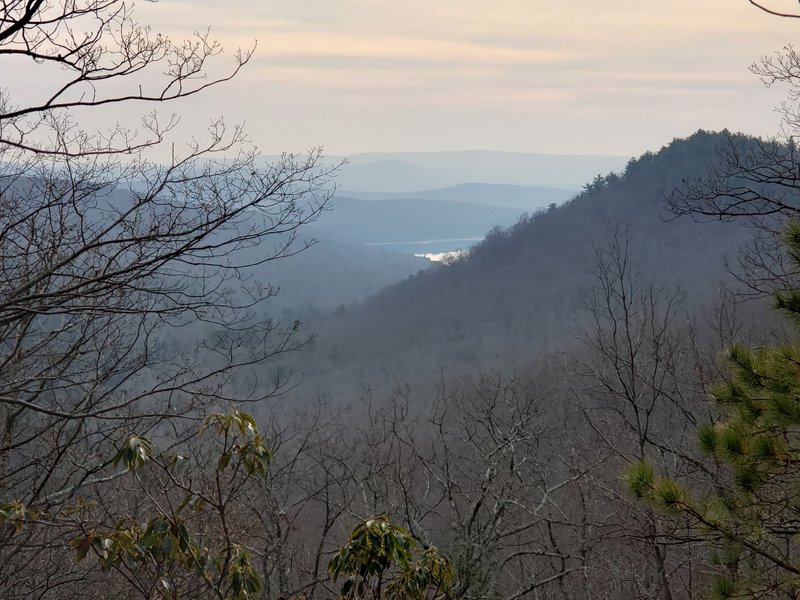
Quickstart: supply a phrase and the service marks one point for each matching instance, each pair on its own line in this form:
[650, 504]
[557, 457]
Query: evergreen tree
[751, 517]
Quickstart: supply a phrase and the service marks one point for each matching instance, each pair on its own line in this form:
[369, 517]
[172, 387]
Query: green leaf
[375, 548]
[640, 479]
[82, 545]
[671, 495]
[708, 438]
[136, 451]
[224, 461]
[15, 513]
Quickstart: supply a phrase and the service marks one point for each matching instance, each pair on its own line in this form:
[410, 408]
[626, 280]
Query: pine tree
[751, 519]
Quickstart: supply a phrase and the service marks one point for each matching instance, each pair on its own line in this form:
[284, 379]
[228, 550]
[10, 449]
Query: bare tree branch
[776, 13]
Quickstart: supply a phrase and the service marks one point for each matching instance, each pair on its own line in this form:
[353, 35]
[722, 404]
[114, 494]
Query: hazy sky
[580, 76]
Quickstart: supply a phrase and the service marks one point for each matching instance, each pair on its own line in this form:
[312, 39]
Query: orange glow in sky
[580, 76]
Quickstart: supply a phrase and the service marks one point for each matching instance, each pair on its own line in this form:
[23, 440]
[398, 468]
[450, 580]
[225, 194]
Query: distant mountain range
[410, 225]
[430, 202]
[414, 171]
[525, 198]
[522, 288]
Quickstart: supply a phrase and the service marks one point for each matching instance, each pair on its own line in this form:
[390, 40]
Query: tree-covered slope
[527, 285]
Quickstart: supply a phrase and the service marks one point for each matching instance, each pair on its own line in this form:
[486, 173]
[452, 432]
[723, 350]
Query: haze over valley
[408, 301]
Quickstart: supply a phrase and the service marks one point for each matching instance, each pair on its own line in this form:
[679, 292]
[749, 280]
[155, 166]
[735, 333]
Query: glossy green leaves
[383, 560]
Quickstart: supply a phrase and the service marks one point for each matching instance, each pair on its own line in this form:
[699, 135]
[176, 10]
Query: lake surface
[426, 247]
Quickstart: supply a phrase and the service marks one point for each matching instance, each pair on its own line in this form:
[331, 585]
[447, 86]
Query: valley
[399, 301]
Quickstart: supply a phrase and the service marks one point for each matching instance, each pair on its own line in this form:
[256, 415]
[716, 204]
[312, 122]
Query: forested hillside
[497, 402]
[213, 386]
[525, 288]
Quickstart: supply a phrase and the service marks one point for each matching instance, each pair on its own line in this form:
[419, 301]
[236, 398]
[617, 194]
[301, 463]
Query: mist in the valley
[568, 372]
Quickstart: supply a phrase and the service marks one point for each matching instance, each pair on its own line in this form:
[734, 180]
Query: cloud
[369, 74]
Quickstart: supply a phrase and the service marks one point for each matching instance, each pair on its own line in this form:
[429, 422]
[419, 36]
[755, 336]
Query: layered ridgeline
[367, 242]
[414, 171]
[360, 246]
[411, 225]
[525, 288]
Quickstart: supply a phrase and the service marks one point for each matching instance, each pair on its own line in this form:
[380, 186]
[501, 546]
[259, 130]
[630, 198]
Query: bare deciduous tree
[755, 181]
[635, 386]
[774, 11]
[125, 299]
[478, 471]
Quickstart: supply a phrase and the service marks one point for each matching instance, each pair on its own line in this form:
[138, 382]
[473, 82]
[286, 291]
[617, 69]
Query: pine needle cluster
[751, 517]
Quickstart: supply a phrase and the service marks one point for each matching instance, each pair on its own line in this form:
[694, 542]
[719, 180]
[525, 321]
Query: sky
[573, 77]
